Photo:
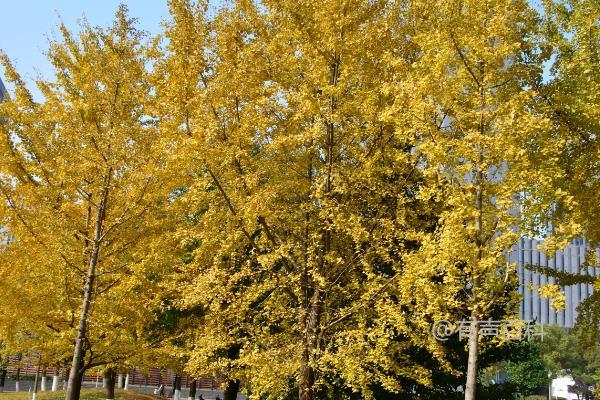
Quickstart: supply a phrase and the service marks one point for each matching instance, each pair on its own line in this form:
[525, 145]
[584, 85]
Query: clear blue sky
[25, 25]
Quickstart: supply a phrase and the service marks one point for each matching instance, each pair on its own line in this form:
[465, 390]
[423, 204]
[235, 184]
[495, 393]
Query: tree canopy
[287, 195]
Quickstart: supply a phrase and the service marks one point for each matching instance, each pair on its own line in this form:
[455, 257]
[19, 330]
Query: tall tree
[80, 176]
[300, 192]
[471, 106]
[569, 97]
[566, 205]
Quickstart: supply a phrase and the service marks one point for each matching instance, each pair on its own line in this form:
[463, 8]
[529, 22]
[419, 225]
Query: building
[535, 307]
[3, 92]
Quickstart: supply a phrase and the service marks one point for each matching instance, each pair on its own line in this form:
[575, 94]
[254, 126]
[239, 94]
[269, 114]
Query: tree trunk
[2, 379]
[471, 386]
[307, 382]
[17, 379]
[35, 383]
[120, 381]
[126, 385]
[75, 374]
[55, 380]
[109, 377]
[307, 379]
[65, 379]
[192, 394]
[44, 380]
[76, 384]
[231, 389]
[177, 387]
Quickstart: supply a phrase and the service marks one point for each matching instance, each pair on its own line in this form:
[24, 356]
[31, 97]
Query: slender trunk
[3, 372]
[231, 389]
[192, 394]
[126, 385]
[120, 381]
[44, 380]
[35, 383]
[65, 378]
[177, 387]
[307, 380]
[471, 386]
[109, 378]
[55, 380]
[75, 374]
[174, 386]
[18, 377]
[76, 384]
[2, 379]
[312, 334]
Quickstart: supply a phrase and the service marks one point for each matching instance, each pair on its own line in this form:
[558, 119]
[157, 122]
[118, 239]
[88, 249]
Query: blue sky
[25, 25]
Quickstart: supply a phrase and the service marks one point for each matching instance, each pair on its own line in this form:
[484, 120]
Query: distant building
[3, 91]
[535, 307]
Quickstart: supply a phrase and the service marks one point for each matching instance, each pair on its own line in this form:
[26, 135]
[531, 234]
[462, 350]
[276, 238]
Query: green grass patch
[86, 394]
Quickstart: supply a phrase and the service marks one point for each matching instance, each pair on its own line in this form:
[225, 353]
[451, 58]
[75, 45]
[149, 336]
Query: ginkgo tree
[568, 201]
[299, 197]
[80, 179]
[570, 98]
[289, 194]
[472, 106]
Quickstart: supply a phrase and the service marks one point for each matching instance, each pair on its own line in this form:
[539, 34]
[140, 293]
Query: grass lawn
[86, 394]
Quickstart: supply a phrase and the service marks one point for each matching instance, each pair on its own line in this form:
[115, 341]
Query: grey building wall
[3, 91]
[535, 307]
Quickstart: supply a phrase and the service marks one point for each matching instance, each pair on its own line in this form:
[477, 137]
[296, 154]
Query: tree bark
[192, 393]
[471, 386]
[66, 378]
[307, 379]
[3, 372]
[35, 383]
[55, 380]
[44, 380]
[18, 377]
[110, 376]
[231, 389]
[313, 332]
[76, 384]
[307, 382]
[75, 374]
[177, 387]
[2, 379]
